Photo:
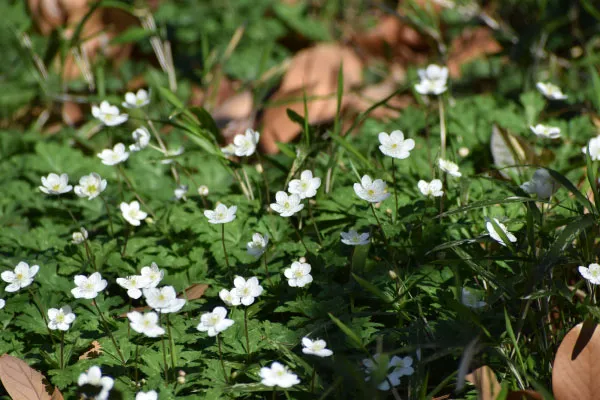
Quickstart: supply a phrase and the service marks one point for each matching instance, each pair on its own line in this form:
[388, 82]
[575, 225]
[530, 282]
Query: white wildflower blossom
[449, 167]
[394, 145]
[136, 100]
[146, 324]
[286, 205]
[132, 213]
[298, 275]
[494, 234]
[90, 186]
[306, 186]
[315, 347]
[55, 184]
[21, 277]
[278, 375]
[60, 318]
[551, 91]
[115, 155]
[371, 190]
[431, 189]
[215, 321]
[353, 238]
[221, 214]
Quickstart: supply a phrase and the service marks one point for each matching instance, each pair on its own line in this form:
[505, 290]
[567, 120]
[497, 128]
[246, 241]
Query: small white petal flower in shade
[80, 236]
[134, 285]
[170, 154]
[146, 324]
[132, 213]
[544, 131]
[153, 275]
[245, 145]
[93, 377]
[214, 322]
[471, 299]
[246, 290]
[258, 245]
[306, 186]
[370, 190]
[551, 91]
[180, 192]
[229, 297]
[402, 366]
[164, 300]
[394, 145]
[433, 80]
[151, 395]
[228, 150]
[109, 115]
[449, 167]
[396, 368]
[2, 303]
[542, 184]
[353, 238]
[55, 184]
[591, 273]
[221, 214]
[88, 287]
[136, 100]
[60, 318]
[141, 139]
[594, 145]
[90, 186]
[286, 205]
[21, 277]
[203, 190]
[494, 235]
[278, 375]
[298, 275]
[315, 347]
[431, 189]
[115, 155]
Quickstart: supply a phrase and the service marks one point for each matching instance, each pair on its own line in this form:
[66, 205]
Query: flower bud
[392, 274]
[181, 380]
[203, 190]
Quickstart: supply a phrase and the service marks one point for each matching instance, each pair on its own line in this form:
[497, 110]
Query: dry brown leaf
[313, 71]
[57, 395]
[524, 395]
[576, 367]
[71, 113]
[21, 381]
[195, 291]
[372, 94]
[486, 383]
[93, 352]
[469, 45]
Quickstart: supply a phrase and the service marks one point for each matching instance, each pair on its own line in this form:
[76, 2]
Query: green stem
[300, 237]
[136, 363]
[246, 331]
[164, 351]
[127, 234]
[162, 145]
[312, 218]
[224, 249]
[221, 358]
[110, 224]
[42, 310]
[171, 344]
[88, 252]
[380, 227]
[62, 349]
[395, 214]
[137, 196]
[312, 379]
[267, 268]
[264, 174]
[112, 338]
[442, 128]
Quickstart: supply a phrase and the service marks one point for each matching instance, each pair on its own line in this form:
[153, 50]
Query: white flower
[109, 115]
[258, 245]
[2, 303]
[60, 318]
[115, 155]
[214, 322]
[136, 100]
[80, 236]
[315, 347]
[151, 395]
[21, 277]
[470, 299]
[298, 274]
[278, 375]
[494, 235]
[306, 186]
[245, 145]
[132, 213]
[433, 80]
[134, 284]
[431, 189]
[146, 324]
[203, 190]
[591, 273]
[399, 367]
[228, 150]
[246, 290]
[221, 214]
[594, 145]
[90, 186]
[230, 298]
[54, 184]
[88, 287]
[180, 192]
[394, 145]
[370, 190]
[449, 167]
[170, 154]
[94, 377]
[551, 91]
[163, 300]
[353, 238]
[287, 205]
[541, 184]
[141, 138]
[545, 131]
[153, 275]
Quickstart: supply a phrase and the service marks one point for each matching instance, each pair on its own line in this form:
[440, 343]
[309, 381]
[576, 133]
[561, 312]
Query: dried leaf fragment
[21, 381]
[486, 383]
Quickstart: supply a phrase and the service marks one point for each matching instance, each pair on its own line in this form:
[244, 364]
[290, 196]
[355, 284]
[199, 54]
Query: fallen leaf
[576, 368]
[470, 45]
[365, 98]
[57, 395]
[524, 395]
[486, 383]
[195, 291]
[71, 113]
[21, 381]
[93, 352]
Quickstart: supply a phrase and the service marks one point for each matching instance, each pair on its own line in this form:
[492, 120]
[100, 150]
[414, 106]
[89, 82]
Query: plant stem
[395, 214]
[126, 241]
[62, 348]
[88, 252]
[442, 128]
[246, 331]
[36, 300]
[171, 343]
[224, 249]
[312, 218]
[110, 224]
[112, 338]
[380, 227]
[162, 145]
[137, 196]
[300, 237]
[136, 362]
[264, 174]
[221, 358]
[166, 366]
[248, 183]
[312, 379]
[267, 268]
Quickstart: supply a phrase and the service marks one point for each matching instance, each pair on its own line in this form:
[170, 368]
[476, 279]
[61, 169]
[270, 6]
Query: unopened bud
[388, 211]
[203, 190]
[392, 274]
[259, 168]
[302, 260]
[181, 380]
[149, 221]
[181, 372]
[463, 152]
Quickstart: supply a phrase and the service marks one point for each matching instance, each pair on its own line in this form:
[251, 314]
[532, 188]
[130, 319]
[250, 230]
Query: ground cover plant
[299, 199]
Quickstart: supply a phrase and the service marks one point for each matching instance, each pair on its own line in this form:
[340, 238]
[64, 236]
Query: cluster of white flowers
[397, 367]
[245, 291]
[433, 80]
[163, 300]
[149, 278]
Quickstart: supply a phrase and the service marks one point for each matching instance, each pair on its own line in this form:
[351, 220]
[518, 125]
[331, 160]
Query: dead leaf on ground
[470, 45]
[21, 381]
[576, 367]
[313, 71]
[365, 98]
[486, 383]
[524, 395]
[93, 352]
